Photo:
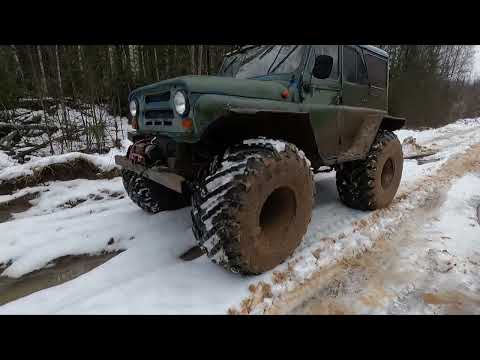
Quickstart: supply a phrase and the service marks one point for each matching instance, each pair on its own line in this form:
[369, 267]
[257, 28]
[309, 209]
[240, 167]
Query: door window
[354, 69]
[377, 70]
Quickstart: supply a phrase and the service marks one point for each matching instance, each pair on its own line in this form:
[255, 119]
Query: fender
[392, 123]
[223, 121]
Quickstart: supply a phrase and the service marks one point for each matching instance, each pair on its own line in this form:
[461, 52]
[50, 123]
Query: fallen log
[7, 140]
[421, 155]
[17, 127]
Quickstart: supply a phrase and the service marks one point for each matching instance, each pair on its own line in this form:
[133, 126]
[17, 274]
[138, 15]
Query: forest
[81, 88]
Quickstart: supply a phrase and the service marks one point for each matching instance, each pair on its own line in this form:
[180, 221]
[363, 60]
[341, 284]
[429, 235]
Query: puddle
[64, 269]
[16, 206]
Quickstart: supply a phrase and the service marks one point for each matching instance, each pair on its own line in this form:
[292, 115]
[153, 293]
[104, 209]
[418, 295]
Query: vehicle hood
[219, 85]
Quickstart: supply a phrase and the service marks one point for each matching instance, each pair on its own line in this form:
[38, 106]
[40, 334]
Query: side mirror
[323, 66]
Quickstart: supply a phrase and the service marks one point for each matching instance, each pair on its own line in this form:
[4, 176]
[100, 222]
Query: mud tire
[150, 196]
[372, 183]
[252, 206]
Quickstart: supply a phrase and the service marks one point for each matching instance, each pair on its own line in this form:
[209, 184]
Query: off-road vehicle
[241, 147]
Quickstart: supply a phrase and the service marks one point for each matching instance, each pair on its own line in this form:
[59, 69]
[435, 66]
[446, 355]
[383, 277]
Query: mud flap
[192, 254]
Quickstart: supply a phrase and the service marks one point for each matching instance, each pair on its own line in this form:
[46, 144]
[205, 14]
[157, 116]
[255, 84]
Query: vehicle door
[320, 98]
[354, 100]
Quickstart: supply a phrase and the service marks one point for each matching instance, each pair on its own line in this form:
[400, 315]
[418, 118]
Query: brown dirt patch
[454, 301]
[259, 292]
[62, 270]
[75, 169]
[16, 206]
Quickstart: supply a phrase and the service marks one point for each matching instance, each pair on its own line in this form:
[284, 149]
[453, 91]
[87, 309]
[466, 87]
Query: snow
[149, 278]
[5, 161]
[115, 127]
[104, 162]
[148, 272]
[278, 145]
[458, 220]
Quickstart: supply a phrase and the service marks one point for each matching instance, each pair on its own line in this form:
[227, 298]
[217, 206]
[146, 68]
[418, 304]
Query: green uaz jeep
[241, 148]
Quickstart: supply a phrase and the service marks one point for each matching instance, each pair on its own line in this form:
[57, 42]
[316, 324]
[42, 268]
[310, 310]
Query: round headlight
[180, 103]
[133, 108]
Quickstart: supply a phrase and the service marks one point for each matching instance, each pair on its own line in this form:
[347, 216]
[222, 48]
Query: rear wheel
[372, 183]
[252, 208]
[150, 196]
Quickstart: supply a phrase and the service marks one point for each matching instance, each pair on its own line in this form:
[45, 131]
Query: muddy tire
[253, 205]
[372, 183]
[150, 196]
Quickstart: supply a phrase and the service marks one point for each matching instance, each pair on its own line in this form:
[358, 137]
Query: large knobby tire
[372, 183]
[253, 205]
[150, 196]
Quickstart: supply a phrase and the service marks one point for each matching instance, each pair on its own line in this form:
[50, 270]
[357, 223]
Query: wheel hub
[388, 173]
[277, 213]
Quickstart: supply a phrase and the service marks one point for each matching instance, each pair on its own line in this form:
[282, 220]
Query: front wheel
[372, 183]
[252, 208]
[150, 196]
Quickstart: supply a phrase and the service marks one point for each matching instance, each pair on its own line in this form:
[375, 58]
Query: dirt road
[403, 272]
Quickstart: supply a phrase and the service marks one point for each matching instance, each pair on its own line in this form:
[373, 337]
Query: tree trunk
[144, 71]
[174, 57]
[110, 60]
[200, 59]
[167, 63]
[134, 63]
[35, 77]
[17, 62]
[156, 64]
[42, 70]
[62, 99]
[192, 59]
[80, 60]
[209, 61]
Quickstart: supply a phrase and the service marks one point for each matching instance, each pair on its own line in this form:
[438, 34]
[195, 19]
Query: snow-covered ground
[431, 266]
[90, 216]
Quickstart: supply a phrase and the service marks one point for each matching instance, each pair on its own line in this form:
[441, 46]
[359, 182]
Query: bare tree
[42, 70]
[156, 63]
[17, 62]
[200, 59]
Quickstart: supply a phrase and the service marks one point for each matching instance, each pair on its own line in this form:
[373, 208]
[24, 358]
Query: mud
[71, 170]
[60, 271]
[17, 205]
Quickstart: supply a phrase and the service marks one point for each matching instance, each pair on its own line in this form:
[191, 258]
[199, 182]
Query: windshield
[262, 60]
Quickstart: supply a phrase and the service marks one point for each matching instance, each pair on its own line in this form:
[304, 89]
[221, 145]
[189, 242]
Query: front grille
[157, 98]
[159, 114]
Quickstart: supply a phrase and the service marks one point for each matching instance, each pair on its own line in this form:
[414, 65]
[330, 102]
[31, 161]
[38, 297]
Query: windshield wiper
[230, 64]
[266, 52]
[276, 57]
[283, 60]
[241, 51]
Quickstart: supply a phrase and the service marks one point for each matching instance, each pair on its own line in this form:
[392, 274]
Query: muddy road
[403, 273]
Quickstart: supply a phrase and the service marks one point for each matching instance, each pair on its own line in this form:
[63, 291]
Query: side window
[377, 70]
[353, 67]
[331, 50]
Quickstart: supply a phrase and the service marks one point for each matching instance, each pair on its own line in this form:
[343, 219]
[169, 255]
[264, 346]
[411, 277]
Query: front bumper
[159, 174]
